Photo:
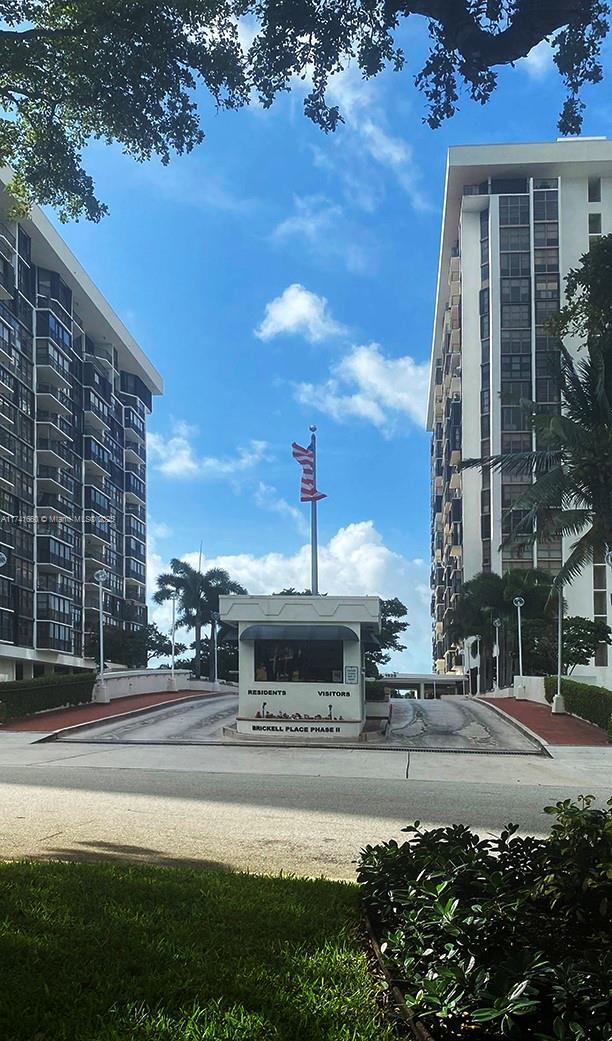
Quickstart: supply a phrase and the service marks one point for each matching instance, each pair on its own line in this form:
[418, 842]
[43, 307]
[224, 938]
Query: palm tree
[197, 598]
[571, 462]
[489, 596]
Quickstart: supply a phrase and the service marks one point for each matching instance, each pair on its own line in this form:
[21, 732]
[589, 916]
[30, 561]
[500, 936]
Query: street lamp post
[497, 624]
[100, 691]
[215, 619]
[519, 603]
[172, 676]
[558, 705]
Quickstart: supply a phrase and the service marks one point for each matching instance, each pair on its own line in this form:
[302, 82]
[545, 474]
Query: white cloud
[367, 385]
[297, 311]
[329, 233]
[175, 456]
[539, 62]
[267, 498]
[189, 181]
[359, 101]
[355, 562]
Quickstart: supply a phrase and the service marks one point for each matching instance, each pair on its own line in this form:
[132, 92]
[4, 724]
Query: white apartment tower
[516, 219]
[75, 392]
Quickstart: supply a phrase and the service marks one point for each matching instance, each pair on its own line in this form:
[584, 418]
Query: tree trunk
[197, 659]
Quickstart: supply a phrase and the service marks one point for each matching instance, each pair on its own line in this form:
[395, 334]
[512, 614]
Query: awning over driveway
[299, 632]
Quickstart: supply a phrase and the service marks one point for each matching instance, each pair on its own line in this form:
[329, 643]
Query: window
[594, 189]
[594, 223]
[513, 209]
[599, 576]
[546, 235]
[515, 443]
[515, 367]
[516, 316]
[516, 341]
[514, 392]
[299, 661]
[599, 603]
[514, 264]
[547, 389]
[514, 240]
[514, 419]
[545, 206]
[515, 290]
[546, 260]
[546, 297]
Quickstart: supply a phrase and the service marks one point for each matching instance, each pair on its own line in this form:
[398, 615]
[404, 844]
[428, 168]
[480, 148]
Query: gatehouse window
[298, 661]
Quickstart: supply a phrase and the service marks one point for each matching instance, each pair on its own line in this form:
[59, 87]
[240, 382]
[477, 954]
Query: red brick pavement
[59, 718]
[555, 729]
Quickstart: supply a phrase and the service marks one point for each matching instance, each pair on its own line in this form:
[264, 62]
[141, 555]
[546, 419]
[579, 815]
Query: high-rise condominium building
[516, 219]
[75, 391]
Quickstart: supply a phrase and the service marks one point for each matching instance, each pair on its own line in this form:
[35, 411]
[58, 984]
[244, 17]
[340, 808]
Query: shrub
[500, 938]
[583, 699]
[25, 697]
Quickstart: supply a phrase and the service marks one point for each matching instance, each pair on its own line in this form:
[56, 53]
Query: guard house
[300, 663]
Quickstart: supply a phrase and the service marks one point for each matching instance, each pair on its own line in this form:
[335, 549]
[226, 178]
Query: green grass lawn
[92, 952]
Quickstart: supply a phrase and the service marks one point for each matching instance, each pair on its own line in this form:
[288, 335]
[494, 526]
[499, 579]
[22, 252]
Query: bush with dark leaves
[500, 938]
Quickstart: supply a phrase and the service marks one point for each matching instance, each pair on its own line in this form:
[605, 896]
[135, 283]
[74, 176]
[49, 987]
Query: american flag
[305, 457]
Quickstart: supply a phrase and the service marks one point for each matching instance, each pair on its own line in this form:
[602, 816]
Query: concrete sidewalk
[554, 729]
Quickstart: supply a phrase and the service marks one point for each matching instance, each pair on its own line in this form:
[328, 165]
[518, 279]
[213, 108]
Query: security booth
[301, 663]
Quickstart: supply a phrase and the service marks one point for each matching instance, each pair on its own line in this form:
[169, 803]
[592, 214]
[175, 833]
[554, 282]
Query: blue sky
[279, 277]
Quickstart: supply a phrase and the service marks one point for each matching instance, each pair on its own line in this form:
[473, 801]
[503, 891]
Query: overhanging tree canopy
[126, 72]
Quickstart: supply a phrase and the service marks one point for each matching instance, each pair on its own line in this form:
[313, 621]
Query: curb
[131, 713]
[516, 723]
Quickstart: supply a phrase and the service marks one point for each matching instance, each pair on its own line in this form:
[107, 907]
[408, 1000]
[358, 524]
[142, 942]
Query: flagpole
[314, 563]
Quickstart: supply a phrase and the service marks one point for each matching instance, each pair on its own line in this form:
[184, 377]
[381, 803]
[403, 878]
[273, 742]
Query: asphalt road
[306, 810]
[454, 723]
[312, 825]
[188, 722]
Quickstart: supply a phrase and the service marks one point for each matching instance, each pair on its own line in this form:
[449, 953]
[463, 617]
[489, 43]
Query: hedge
[25, 697]
[583, 699]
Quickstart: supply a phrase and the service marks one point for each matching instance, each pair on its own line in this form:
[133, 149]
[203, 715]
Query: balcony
[135, 452]
[46, 637]
[49, 614]
[134, 528]
[58, 426]
[135, 487]
[53, 452]
[8, 242]
[135, 424]
[97, 459]
[48, 503]
[47, 558]
[96, 418]
[134, 613]
[54, 399]
[52, 366]
[56, 479]
[135, 593]
[7, 279]
[100, 357]
[98, 530]
[55, 583]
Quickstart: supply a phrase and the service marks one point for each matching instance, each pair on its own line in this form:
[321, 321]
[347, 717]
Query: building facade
[75, 392]
[516, 219]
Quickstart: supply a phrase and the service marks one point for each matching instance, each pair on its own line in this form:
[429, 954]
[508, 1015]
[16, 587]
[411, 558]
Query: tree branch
[534, 20]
